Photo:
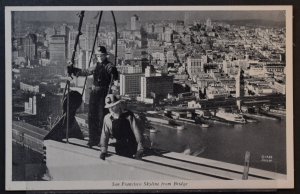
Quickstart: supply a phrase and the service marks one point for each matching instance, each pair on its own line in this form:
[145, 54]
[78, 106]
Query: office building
[90, 31]
[57, 49]
[134, 25]
[130, 84]
[156, 87]
[194, 66]
[30, 47]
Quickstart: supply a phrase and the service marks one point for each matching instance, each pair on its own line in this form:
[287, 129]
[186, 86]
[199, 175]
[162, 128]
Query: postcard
[149, 97]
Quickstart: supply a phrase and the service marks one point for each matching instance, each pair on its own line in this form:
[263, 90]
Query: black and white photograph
[148, 97]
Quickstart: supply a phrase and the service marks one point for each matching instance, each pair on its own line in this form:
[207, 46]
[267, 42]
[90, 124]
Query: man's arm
[112, 70]
[81, 72]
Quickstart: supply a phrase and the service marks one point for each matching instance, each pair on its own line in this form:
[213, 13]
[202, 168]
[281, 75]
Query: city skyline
[124, 16]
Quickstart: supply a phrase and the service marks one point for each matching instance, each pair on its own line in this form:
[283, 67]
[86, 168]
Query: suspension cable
[81, 15]
[67, 88]
[116, 49]
[116, 36]
[95, 39]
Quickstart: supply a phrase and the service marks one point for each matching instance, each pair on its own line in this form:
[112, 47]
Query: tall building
[187, 16]
[71, 42]
[130, 84]
[194, 66]
[168, 36]
[30, 106]
[134, 25]
[155, 87]
[30, 47]
[82, 59]
[57, 49]
[208, 22]
[64, 30]
[90, 31]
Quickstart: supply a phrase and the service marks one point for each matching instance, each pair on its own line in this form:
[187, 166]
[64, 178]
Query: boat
[232, 117]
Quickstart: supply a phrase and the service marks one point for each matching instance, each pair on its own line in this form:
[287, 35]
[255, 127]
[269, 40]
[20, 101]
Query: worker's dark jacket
[125, 130]
[102, 73]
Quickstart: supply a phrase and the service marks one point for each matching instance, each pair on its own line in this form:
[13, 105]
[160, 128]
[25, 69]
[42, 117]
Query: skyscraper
[130, 83]
[208, 22]
[71, 42]
[187, 16]
[153, 86]
[90, 31]
[29, 45]
[194, 66]
[134, 22]
[57, 49]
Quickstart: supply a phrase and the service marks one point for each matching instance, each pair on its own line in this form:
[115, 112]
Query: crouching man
[122, 125]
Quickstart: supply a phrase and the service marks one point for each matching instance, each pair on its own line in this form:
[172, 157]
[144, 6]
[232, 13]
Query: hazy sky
[124, 16]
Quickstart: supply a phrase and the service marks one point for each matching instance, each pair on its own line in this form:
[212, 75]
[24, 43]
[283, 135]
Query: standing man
[104, 73]
[122, 125]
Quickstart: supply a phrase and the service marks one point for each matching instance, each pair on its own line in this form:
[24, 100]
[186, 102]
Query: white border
[78, 185]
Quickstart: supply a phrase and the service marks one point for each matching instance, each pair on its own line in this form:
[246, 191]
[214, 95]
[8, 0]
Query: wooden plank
[225, 165]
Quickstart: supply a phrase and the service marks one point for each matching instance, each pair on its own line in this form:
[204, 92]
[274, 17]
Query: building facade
[134, 25]
[90, 30]
[130, 84]
[29, 45]
[194, 66]
[157, 87]
[57, 49]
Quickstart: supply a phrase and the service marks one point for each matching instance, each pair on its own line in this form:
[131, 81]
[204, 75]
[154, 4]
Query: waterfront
[265, 140]
[228, 143]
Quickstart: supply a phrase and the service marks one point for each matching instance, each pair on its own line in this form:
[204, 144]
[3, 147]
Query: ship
[231, 117]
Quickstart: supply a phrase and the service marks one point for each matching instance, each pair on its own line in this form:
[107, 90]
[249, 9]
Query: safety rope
[116, 36]
[116, 51]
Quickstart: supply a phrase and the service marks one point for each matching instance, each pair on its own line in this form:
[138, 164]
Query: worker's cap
[112, 100]
[100, 50]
